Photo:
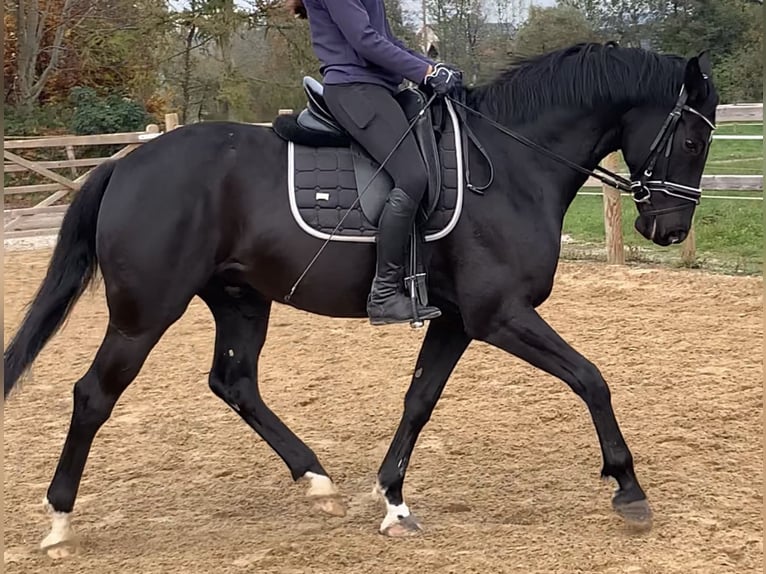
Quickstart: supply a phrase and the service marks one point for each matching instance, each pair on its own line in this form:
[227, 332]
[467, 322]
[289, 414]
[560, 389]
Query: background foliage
[108, 65]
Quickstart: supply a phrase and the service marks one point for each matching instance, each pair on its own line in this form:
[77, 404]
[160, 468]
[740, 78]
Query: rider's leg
[375, 119]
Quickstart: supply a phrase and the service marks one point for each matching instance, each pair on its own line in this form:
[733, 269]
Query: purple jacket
[354, 43]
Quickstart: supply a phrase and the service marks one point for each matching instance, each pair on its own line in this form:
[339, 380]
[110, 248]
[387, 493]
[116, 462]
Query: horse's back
[211, 200]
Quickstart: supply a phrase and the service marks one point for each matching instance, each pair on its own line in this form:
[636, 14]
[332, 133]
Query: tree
[731, 31]
[395, 17]
[626, 21]
[459, 24]
[552, 28]
[118, 47]
[109, 45]
[40, 31]
[693, 25]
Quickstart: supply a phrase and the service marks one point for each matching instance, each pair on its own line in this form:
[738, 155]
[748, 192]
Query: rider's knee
[414, 183]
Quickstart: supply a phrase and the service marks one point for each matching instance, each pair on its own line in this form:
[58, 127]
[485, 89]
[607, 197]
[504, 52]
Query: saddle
[328, 173]
[316, 127]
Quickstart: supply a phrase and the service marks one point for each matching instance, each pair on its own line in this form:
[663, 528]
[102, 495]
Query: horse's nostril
[676, 237]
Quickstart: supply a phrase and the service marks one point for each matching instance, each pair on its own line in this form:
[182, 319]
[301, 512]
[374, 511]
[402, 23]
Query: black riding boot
[388, 302]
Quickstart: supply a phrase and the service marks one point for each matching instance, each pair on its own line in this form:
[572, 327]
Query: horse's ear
[695, 81]
[704, 61]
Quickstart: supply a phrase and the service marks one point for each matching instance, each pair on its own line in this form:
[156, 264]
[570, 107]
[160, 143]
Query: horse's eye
[690, 145]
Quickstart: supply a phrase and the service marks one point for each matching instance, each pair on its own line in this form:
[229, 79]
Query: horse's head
[666, 153]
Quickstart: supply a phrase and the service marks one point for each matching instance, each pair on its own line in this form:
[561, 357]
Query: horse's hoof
[332, 505]
[325, 495]
[402, 528]
[58, 547]
[64, 550]
[62, 541]
[636, 514]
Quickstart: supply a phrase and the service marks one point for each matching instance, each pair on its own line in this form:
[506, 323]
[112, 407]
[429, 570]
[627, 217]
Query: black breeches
[375, 119]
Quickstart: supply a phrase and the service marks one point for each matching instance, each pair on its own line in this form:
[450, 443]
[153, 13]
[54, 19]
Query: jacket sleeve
[396, 41]
[353, 21]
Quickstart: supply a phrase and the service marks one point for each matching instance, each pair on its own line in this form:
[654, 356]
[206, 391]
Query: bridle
[641, 188]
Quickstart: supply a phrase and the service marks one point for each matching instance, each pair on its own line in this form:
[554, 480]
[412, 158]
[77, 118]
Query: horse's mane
[585, 76]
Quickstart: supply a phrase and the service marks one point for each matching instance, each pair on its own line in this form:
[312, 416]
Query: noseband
[641, 189]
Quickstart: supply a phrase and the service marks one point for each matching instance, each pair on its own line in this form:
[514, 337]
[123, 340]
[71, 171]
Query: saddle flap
[374, 198]
[412, 101]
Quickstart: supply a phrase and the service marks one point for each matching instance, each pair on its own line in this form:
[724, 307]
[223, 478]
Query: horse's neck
[584, 138]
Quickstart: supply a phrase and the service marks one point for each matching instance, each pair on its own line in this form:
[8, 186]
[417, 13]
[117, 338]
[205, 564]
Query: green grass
[743, 129]
[729, 233]
[735, 157]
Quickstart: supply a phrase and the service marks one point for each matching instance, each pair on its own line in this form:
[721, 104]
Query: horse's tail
[72, 267]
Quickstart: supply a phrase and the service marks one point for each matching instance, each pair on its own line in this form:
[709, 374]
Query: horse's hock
[177, 483]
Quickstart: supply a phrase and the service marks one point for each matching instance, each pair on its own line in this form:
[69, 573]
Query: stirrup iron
[415, 282]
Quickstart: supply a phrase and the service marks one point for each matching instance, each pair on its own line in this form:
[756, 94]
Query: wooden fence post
[171, 121]
[615, 252]
[689, 247]
[71, 157]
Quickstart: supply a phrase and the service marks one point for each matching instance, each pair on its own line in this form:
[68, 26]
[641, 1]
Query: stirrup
[415, 285]
[411, 284]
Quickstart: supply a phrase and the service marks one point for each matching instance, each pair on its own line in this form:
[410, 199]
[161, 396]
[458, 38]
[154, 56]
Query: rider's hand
[455, 69]
[443, 79]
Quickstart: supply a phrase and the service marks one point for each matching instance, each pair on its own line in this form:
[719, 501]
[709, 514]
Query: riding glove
[444, 79]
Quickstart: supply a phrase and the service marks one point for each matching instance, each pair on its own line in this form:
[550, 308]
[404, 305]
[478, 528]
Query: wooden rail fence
[44, 217]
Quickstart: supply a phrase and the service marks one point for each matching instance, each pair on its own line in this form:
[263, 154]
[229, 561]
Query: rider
[362, 65]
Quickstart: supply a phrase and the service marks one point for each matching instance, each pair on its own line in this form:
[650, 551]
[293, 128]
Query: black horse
[203, 210]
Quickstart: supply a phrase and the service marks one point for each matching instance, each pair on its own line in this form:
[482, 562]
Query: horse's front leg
[442, 348]
[522, 332]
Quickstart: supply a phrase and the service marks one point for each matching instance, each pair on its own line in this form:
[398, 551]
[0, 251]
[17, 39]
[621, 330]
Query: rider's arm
[353, 21]
[404, 47]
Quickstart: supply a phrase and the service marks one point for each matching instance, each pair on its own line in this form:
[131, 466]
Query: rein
[641, 189]
[609, 177]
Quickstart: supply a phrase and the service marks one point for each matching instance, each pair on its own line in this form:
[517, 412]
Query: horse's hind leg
[117, 362]
[241, 322]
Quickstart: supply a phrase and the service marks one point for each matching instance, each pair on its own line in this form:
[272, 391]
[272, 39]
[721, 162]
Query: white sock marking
[61, 527]
[394, 512]
[320, 485]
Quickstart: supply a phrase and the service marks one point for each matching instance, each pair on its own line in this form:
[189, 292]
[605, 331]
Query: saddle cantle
[317, 115]
[327, 169]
